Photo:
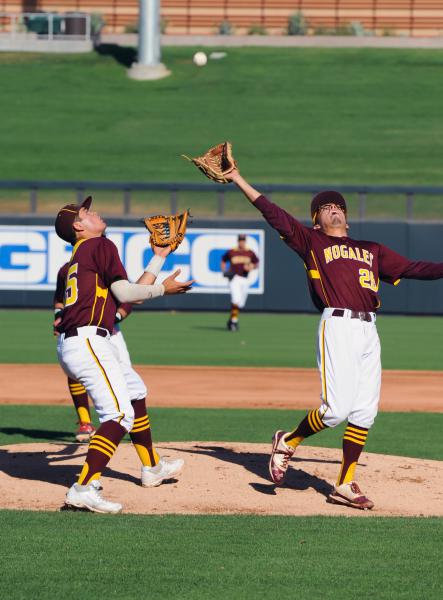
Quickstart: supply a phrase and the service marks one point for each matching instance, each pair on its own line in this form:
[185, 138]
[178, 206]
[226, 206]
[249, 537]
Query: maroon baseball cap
[326, 197]
[241, 237]
[66, 217]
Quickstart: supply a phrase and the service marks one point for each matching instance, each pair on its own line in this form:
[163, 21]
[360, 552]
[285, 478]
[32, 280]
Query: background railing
[46, 25]
[119, 197]
[383, 17]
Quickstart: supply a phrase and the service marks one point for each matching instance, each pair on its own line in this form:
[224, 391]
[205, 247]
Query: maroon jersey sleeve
[393, 267]
[226, 256]
[108, 263]
[254, 258]
[296, 235]
[59, 294]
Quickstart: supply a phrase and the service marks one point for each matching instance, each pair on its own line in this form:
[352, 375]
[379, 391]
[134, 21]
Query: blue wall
[284, 274]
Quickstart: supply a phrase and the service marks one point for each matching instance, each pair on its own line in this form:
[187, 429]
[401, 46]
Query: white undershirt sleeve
[125, 291]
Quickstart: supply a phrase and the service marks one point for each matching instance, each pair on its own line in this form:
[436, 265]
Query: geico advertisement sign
[30, 256]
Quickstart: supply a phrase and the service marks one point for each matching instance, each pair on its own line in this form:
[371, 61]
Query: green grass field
[294, 115]
[219, 557]
[417, 435]
[272, 340]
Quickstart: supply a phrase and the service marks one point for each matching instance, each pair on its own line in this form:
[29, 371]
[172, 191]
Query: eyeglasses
[330, 207]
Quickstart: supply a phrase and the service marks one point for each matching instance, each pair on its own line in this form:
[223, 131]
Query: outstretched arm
[251, 193]
[125, 291]
[296, 235]
[394, 266]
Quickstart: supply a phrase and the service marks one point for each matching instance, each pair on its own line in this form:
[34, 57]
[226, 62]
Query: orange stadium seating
[411, 17]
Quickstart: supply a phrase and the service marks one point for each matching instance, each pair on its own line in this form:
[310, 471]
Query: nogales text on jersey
[345, 251]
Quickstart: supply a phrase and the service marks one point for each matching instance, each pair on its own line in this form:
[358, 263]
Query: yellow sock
[348, 475]
[294, 442]
[149, 458]
[83, 415]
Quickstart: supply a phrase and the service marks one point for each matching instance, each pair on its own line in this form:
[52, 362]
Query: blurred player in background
[241, 262]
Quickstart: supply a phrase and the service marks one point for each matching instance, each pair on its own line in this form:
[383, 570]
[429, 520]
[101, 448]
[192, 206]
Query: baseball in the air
[200, 59]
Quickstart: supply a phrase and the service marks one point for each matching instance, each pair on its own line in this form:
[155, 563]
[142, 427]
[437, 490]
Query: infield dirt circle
[223, 477]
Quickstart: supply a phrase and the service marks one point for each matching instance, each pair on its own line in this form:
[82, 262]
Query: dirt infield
[223, 477]
[226, 387]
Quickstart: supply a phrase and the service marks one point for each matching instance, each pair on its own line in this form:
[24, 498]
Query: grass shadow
[38, 434]
[124, 55]
[210, 327]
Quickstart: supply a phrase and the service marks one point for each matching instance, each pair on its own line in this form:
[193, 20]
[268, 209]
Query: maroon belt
[355, 314]
[101, 331]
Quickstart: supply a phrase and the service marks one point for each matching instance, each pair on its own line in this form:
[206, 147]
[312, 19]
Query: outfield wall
[31, 253]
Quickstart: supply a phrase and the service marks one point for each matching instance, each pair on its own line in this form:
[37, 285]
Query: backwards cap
[326, 197]
[65, 218]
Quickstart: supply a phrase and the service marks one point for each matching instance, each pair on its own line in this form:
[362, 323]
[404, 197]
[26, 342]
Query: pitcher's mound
[223, 477]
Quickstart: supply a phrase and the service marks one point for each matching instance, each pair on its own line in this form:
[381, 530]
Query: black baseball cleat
[232, 325]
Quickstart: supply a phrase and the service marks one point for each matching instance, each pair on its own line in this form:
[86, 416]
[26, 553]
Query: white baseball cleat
[280, 456]
[349, 494]
[166, 469]
[88, 497]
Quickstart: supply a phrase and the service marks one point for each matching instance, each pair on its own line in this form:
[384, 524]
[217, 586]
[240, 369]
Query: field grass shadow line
[38, 434]
[211, 327]
[124, 55]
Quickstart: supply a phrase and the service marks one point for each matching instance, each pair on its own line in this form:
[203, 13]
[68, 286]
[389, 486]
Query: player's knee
[142, 392]
[334, 418]
[128, 418]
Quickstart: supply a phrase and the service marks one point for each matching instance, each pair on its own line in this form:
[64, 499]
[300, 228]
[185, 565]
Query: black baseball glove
[229, 275]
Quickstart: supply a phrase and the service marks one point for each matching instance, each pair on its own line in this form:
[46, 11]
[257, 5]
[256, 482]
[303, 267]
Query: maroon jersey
[238, 260]
[86, 279]
[59, 294]
[342, 272]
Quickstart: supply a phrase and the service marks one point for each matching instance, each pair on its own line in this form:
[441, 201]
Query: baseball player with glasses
[343, 279]
[96, 281]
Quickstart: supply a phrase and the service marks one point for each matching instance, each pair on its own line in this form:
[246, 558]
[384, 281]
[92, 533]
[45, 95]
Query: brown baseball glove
[167, 230]
[216, 163]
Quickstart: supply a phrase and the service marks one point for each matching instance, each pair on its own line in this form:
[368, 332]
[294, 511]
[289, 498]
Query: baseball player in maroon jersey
[343, 278]
[96, 280]
[241, 261]
[77, 391]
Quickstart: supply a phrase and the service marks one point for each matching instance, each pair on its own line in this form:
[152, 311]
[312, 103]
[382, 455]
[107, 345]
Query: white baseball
[200, 59]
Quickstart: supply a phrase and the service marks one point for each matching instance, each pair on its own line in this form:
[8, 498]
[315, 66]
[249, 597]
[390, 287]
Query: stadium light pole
[148, 65]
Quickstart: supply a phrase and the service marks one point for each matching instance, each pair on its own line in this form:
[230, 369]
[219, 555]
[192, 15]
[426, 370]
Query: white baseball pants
[136, 386]
[348, 359]
[239, 287]
[92, 360]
